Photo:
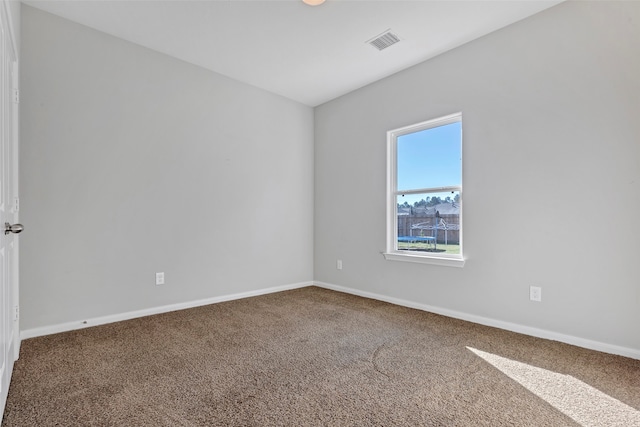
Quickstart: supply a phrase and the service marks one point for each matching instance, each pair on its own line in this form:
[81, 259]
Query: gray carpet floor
[315, 357]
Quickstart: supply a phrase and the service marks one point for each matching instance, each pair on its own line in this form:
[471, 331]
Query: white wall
[134, 162]
[551, 175]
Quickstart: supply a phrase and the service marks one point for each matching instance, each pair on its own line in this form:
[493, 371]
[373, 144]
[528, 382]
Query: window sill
[424, 259]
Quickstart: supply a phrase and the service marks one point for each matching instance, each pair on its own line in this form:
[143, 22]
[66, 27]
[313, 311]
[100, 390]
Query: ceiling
[308, 54]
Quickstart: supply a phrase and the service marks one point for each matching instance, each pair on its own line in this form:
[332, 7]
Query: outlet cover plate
[535, 293]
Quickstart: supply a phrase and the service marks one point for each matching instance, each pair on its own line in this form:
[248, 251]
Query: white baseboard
[513, 327]
[70, 326]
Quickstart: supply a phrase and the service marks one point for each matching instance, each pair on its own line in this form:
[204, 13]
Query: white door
[9, 339]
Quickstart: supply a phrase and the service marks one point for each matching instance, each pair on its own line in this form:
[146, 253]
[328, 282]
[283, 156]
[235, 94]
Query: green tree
[422, 202]
[434, 201]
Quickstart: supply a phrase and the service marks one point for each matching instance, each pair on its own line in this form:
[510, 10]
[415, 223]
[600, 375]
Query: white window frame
[392, 253]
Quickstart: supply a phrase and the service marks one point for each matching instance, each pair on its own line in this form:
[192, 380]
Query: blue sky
[429, 158]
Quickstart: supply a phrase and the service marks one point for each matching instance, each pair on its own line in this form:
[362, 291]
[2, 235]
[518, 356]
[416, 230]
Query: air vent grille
[384, 40]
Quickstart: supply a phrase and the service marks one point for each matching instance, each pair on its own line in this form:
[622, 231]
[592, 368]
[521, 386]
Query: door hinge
[16, 313]
[16, 96]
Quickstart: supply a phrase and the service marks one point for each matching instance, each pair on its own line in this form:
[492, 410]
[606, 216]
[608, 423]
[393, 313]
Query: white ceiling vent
[384, 40]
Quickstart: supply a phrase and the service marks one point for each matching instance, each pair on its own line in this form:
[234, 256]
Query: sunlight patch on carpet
[583, 403]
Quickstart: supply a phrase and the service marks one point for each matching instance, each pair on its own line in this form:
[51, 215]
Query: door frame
[15, 201]
[10, 100]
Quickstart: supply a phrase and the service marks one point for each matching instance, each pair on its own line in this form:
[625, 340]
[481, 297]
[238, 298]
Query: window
[424, 190]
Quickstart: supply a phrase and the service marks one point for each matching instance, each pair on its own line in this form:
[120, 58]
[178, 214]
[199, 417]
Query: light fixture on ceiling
[313, 2]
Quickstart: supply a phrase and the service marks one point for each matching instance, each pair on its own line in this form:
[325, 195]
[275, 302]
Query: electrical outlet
[160, 278]
[535, 293]
[339, 264]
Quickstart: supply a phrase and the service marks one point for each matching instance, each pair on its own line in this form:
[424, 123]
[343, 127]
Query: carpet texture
[314, 357]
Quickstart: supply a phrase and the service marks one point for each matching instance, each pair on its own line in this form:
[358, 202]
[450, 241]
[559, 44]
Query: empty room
[320, 213]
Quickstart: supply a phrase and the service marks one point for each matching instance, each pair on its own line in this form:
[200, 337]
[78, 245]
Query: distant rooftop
[444, 209]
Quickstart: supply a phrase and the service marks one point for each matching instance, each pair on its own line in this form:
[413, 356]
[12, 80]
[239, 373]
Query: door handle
[15, 228]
